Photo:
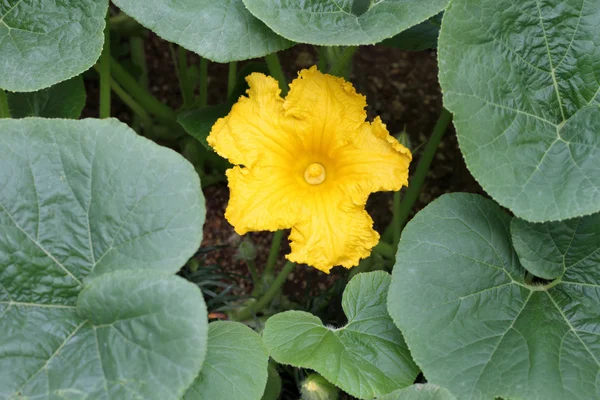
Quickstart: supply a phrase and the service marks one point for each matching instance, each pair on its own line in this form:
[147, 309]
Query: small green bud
[315, 387]
[246, 250]
[404, 139]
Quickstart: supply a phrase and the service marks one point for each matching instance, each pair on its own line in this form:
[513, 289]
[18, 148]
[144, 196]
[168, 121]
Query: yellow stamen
[314, 174]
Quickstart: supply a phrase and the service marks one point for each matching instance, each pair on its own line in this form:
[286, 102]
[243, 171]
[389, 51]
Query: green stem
[4, 110]
[138, 110]
[340, 67]
[416, 182]
[254, 308]
[396, 228]
[385, 249]
[277, 72]
[138, 58]
[273, 253]
[231, 77]
[253, 272]
[203, 93]
[186, 88]
[141, 95]
[104, 71]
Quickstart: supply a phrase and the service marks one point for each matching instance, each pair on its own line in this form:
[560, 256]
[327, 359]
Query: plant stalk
[254, 308]
[231, 77]
[253, 272]
[141, 95]
[185, 86]
[385, 249]
[203, 91]
[277, 72]
[396, 228]
[104, 71]
[416, 183]
[4, 110]
[273, 253]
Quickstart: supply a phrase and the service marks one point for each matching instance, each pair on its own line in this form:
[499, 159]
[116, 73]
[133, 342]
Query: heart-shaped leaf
[332, 23]
[63, 100]
[235, 366]
[420, 392]
[476, 326]
[523, 82]
[46, 42]
[80, 200]
[366, 358]
[221, 31]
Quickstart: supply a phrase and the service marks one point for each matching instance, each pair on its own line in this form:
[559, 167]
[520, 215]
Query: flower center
[314, 174]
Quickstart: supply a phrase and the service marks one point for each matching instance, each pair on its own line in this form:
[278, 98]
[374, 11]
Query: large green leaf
[476, 326]
[63, 100]
[420, 392]
[235, 366]
[366, 358]
[80, 200]
[46, 42]
[523, 82]
[346, 22]
[221, 31]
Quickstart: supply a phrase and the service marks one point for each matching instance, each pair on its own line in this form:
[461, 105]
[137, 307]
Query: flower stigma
[314, 174]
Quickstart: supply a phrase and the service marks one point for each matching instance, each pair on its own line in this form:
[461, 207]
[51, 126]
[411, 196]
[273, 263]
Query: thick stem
[4, 110]
[203, 91]
[396, 228]
[185, 86]
[138, 110]
[104, 71]
[231, 77]
[253, 272]
[273, 253]
[141, 95]
[416, 182]
[340, 68]
[138, 58]
[277, 72]
[254, 308]
[385, 249]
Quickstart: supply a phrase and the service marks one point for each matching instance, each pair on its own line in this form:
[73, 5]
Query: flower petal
[373, 161]
[262, 198]
[256, 126]
[327, 109]
[333, 231]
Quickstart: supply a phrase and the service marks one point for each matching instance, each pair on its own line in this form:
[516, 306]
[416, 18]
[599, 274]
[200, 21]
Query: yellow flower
[308, 163]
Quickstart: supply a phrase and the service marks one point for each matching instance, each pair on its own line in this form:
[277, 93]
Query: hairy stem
[340, 68]
[273, 253]
[277, 72]
[185, 86]
[254, 308]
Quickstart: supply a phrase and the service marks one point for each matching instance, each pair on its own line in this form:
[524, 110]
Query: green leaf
[273, 388]
[420, 392]
[419, 37]
[547, 249]
[221, 31]
[472, 322]
[350, 22]
[81, 200]
[63, 100]
[198, 122]
[522, 81]
[366, 358]
[46, 42]
[235, 366]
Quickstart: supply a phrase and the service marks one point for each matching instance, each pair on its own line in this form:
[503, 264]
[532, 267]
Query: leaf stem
[4, 110]
[273, 253]
[416, 183]
[253, 308]
[203, 91]
[104, 71]
[340, 68]
[385, 249]
[140, 94]
[185, 86]
[253, 272]
[277, 72]
[396, 228]
[231, 77]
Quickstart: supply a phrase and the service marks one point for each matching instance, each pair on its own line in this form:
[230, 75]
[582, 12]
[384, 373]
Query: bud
[315, 387]
[404, 139]
[246, 250]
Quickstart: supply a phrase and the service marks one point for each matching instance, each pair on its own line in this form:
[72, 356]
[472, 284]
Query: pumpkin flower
[308, 163]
